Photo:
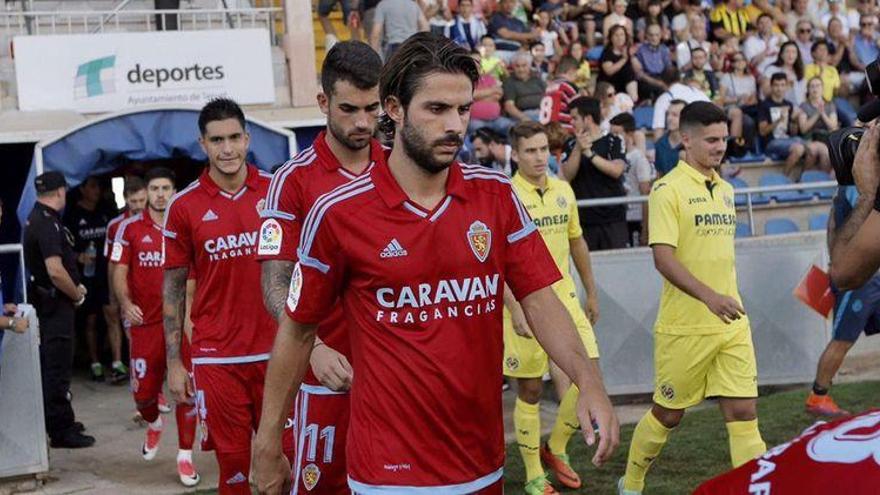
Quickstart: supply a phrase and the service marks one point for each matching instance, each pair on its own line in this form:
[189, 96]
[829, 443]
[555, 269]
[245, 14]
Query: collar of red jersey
[252, 181]
[393, 195]
[331, 162]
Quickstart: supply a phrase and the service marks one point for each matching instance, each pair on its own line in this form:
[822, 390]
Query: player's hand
[271, 468]
[132, 313]
[866, 165]
[331, 368]
[179, 384]
[595, 406]
[520, 324]
[724, 307]
[592, 309]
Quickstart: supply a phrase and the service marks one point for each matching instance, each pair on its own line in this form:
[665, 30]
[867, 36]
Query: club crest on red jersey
[480, 239]
[311, 474]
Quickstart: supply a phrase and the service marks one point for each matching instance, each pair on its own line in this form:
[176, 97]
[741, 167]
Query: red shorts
[321, 417]
[147, 353]
[229, 398]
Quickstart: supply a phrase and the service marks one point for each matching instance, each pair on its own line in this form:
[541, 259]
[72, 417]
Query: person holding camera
[54, 288]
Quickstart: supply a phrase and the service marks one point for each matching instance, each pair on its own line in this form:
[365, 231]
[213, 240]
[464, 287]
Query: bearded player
[137, 260]
[425, 318]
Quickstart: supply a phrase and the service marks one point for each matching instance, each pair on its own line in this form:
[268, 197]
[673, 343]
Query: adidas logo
[82, 221]
[393, 250]
[209, 216]
[238, 478]
[147, 240]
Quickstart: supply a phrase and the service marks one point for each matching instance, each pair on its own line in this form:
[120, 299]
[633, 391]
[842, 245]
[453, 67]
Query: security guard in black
[55, 290]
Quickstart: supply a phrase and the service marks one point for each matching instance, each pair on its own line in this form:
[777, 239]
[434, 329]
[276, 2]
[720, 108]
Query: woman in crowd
[486, 109]
[608, 104]
[738, 86]
[576, 50]
[789, 63]
[817, 119]
[617, 65]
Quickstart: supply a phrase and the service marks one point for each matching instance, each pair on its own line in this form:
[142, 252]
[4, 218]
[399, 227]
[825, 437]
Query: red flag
[815, 291]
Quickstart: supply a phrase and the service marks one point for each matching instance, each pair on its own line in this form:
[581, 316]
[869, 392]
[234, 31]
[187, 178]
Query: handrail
[112, 14]
[18, 248]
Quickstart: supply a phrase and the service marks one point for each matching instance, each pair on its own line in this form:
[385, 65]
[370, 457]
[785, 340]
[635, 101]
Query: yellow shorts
[525, 358]
[690, 368]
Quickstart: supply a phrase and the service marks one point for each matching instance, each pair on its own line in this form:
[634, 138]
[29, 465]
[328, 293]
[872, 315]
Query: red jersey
[422, 294]
[557, 98]
[138, 245]
[112, 227]
[838, 457]
[216, 232]
[292, 192]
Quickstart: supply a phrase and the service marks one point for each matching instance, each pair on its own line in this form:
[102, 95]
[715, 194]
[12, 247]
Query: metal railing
[749, 193]
[17, 248]
[98, 21]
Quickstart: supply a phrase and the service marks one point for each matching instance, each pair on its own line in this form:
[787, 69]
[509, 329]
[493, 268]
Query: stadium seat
[777, 179]
[818, 176]
[776, 226]
[743, 230]
[595, 53]
[740, 199]
[644, 117]
[749, 157]
[819, 221]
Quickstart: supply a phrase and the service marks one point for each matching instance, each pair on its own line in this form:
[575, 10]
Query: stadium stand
[776, 226]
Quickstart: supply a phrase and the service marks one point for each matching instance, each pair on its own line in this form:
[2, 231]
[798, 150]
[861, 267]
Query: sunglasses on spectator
[866, 24]
[805, 30]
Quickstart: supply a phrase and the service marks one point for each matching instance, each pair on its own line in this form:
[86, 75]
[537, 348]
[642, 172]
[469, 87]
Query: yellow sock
[648, 440]
[527, 422]
[745, 441]
[566, 422]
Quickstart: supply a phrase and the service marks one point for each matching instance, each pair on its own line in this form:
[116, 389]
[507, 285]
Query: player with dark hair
[137, 257]
[702, 343]
[419, 251]
[212, 226]
[344, 151]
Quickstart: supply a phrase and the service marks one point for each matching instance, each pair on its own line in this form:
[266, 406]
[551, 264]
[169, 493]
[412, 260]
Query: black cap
[49, 181]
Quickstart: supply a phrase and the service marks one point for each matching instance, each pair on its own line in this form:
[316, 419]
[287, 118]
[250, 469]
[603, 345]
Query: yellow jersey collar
[695, 174]
[522, 183]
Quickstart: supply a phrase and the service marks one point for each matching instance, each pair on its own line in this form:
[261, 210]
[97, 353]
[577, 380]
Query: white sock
[156, 425]
[184, 455]
[117, 364]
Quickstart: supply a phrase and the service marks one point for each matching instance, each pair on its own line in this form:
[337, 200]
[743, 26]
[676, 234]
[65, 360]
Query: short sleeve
[616, 150]
[574, 218]
[528, 265]
[508, 90]
[663, 215]
[660, 108]
[108, 241]
[567, 149]
[644, 170]
[282, 219]
[763, 112]
[121, 253]
[177, 237]
[316, 281]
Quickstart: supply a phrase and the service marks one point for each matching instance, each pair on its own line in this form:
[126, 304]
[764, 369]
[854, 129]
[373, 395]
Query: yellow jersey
[697, 217]
[555, 213]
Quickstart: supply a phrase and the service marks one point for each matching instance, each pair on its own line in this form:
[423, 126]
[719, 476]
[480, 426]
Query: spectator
[324, 9]
[777, 124]
[865, 43]
[523, 91]
[680, 88]
[467, 30]
[560, 93]
[368, 15]
[667, 149]
[558, 11]
[440, 20]
[804, 41]
[697, 39]
[540, 64]
[638, 175]
[738, 86]
[593, 12]
[729, 19]
[608, 104]
[576, 50]
[830, 82]
[654, 60]
[617, 64]
[789, 63]
[490, 62]
[843, 56]
[654, 16]
[593, 162]
[799, 12]
[863, 8]
[705, 80]
[394, 22]
[492, 150]
[509, 32]
[762, 48]
[548, 36]
[617, 17]
[817, 119]
[556, 138]
[486, 109]
[834, 9]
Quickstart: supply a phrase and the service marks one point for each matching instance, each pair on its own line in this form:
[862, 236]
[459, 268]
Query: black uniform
[90, 227]
[45, 236]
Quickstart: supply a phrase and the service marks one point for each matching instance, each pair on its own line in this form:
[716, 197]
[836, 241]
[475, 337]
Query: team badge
[512, 363]
[561, 202]
[667, 391]
[480, 238]
[728, 202]
[311, 474]
[296, 284]
[261, 204]
[116, 254]
[270, 238]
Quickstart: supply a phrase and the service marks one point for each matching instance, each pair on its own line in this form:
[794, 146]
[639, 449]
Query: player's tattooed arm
[275, 280]
[174, 309]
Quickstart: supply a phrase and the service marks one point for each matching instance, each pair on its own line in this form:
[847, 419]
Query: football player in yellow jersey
[702, 342]
[551, 204]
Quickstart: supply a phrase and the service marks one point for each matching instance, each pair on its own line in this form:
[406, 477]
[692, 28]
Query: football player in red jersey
[344, 151]
[419, 251]
[212, 225]
[137, 256]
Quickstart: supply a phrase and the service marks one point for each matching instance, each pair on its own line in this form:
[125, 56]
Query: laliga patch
[116, 254]
[270, 238]
[296, 284]
[311, 474]
[480, 239]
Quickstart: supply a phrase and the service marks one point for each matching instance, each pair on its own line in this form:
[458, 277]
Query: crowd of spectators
[787, 72]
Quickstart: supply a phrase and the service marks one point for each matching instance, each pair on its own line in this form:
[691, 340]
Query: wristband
[11, 324]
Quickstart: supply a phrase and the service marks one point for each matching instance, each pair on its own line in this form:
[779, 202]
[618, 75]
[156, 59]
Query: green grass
[698, 449]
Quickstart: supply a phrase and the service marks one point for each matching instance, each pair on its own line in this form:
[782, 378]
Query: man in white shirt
[835, 9]
[762, 48]
[686, 90]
